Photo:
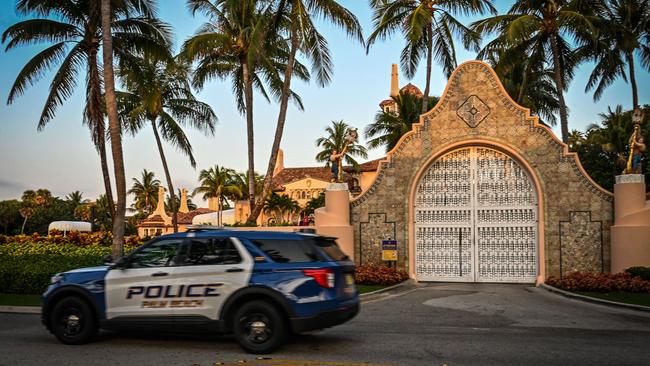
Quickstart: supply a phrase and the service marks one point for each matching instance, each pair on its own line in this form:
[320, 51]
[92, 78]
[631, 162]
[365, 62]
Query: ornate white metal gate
[476, 219]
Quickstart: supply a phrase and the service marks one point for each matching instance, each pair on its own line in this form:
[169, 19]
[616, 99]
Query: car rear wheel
[72, 321]
[259, 327]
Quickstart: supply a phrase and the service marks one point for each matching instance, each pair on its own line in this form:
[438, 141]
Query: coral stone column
[334, 219]
[631, 231]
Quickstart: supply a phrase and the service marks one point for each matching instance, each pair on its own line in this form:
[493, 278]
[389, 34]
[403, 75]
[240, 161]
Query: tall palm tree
[543, 28]
[389, 126]
[115, 131]
[217, 182]
[159, 93]
[73, 28]
[625, 31]
[429, 27]
[145, 192]
[295, 18]
[234, 43]
[335, 140]
[523, 73]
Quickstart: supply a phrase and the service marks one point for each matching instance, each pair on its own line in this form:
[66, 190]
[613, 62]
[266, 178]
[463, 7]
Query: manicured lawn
[20, 300]
[624, 297]
[369, 288]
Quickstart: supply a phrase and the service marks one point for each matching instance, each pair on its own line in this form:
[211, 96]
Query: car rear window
[288, 251]
[331, 249]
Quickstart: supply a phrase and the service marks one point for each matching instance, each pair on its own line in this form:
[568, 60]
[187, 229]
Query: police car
[259, 286]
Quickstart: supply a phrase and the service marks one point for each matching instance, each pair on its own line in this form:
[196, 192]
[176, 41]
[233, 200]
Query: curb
[593, 300]
[400, 287]
[20, 309]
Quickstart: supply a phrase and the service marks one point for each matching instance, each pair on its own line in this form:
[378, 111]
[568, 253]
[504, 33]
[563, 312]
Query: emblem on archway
[473, 111]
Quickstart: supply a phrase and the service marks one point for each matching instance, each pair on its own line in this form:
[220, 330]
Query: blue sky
[63, 159]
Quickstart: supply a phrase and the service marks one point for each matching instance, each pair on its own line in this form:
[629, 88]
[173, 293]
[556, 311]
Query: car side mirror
[122, 263]
[107, 259]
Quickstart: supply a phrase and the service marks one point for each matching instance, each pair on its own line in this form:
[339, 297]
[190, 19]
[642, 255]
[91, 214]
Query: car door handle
[159, 274]
[235, 269]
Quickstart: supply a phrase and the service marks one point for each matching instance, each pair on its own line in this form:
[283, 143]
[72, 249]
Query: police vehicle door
[147, 287]
[213, 268]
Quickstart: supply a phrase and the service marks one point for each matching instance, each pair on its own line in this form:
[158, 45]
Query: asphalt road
[434, 324]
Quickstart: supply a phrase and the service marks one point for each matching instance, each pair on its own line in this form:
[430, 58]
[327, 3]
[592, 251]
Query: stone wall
[475, 110]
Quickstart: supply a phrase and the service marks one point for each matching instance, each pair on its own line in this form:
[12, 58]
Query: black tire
[259, 327]
[73, 321]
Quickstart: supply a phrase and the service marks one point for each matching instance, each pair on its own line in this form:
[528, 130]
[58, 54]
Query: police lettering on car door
[152, 296]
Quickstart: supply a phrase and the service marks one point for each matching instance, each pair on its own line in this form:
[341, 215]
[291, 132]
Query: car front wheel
[72, 321]
[259, 327]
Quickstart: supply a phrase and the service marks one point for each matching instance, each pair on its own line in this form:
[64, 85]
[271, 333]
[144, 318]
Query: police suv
[260, 286]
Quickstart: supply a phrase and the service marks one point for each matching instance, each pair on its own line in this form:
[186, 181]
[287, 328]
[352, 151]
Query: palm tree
[540, 26]
[217, 182]
[234, 43]
[390, 126]
[115, 131]
[74, 30]
[625, 31]
[159, 94]
[335, 140]
[280, 205]
[145, 192]
[524, 75]
[576, 140]
[296, 19]
[429, 28]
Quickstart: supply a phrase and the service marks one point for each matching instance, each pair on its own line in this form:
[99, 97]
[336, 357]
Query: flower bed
[581, 281]
[377, 275]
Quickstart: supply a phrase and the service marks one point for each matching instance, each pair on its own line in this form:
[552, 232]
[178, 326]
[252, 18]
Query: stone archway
[475, 219]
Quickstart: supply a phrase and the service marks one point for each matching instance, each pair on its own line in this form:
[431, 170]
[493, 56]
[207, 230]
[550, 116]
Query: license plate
[349, 279]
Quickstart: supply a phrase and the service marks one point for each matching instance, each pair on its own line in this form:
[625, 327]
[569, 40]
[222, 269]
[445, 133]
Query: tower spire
[394, 82]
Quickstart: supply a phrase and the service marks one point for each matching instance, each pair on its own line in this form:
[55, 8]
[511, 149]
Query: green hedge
[27, 268]
[643, 272]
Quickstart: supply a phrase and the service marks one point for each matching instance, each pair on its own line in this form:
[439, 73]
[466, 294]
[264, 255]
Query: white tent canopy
[227, 218]
[66, 226]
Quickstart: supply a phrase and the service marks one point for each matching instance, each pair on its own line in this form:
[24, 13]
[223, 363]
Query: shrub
[26, 268]
[581, 281]
[377, 275]
[103, 238]
[643, 272]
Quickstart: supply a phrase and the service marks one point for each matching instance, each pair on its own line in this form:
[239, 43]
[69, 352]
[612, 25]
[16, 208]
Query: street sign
[389, 250]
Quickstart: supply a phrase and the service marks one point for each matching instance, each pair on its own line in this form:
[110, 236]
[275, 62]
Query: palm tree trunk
[22, 229]
[279, 129]
[524, 84]
[115, 132]
[167, 176]
[635, 93]
[248, 97]
[559, 85]
[425, 98]
[96, 121]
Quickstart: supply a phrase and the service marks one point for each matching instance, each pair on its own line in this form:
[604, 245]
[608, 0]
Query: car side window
[161, 253]
[211, 251]
[288, 251]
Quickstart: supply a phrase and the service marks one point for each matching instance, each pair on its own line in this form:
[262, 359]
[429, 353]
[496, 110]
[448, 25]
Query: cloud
[5, 184]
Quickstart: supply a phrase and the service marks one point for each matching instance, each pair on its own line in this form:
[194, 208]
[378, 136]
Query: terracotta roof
[186, 217]
[156, 218]
[368, 166]
[412, 89]
[386, 102]
[290, 175]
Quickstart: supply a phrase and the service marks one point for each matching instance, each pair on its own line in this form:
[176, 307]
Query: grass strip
[20, 300]
[635, 298]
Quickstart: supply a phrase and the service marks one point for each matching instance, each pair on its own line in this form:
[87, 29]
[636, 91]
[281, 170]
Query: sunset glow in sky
[62, 158]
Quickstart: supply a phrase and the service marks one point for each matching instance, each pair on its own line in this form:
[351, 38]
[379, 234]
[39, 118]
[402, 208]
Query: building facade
[481, 191]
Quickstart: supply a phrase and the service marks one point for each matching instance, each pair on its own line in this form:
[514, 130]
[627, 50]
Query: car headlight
[57, 278]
